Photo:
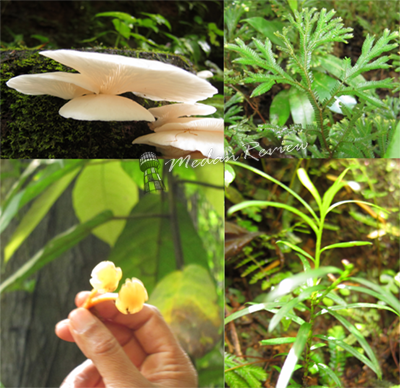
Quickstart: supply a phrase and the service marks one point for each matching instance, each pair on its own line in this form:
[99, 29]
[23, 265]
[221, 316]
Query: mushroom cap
[193, 123]
[104, 107]
[171, 112]
[58, 84]
[116, 74]
[210, 144]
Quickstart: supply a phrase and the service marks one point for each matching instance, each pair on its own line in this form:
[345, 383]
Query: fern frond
[369, 52]
[244, 375]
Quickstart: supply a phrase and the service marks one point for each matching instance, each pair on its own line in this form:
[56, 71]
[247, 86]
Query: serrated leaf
[266, 27]
[262, 89]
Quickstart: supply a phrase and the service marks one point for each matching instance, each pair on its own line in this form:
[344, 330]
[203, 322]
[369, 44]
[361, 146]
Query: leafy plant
[304, 63]
[311, 287]
[239, 375]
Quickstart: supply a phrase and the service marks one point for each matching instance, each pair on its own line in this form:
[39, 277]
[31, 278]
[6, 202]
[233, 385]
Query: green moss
[32, 128]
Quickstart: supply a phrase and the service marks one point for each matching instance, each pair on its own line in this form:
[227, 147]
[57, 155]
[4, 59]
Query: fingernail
[81, 319]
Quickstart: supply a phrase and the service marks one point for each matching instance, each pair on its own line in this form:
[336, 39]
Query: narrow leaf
[331, 374]
[331, 192]
[278, 341]
[297, 249]
[294, 355]
[252, 309]
[357, 306]
[362, 341]
[346, 245]
[53, 249]
[305, 180]
[289, 284]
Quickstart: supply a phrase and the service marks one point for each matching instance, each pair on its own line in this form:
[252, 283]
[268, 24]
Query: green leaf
[305, 294]
[393, 150]
[279, 111]
[293, 5]
[34, 188]
[294, 355]
[145, 248]
[383, 294]
[120, 15]
[361, 339]
[289, 284]
[262, 89]
[230, 175]
[323, 84]
[252, 309]
[278, 341]
[101, 186]
[346, 245]
[122, 28]
[300, 107]
[245, 204]
[350, 349]
[356, 306]
[288, 189]
[356, 201]
[267, 28]
[189, 304]
[37, 211]
[331, 192]
[297, 249]
[331, 374]
[305, 180]
[53, 249]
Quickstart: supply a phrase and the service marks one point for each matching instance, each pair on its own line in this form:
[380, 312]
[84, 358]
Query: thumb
[98, 344]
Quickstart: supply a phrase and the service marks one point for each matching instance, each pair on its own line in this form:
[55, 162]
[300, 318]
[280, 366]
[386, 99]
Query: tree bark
[31, 354]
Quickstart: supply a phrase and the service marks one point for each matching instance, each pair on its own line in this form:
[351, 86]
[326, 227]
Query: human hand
[124, 351]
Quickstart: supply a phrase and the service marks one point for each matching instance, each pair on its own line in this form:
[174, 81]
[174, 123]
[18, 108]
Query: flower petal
[58, 84]
[210, 144]
[105, 277]
[116, 74]
[193, 123]
[105, 107]
[131, 297]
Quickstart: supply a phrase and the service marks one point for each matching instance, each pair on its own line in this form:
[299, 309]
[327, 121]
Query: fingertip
[81, 297]
[62, 331]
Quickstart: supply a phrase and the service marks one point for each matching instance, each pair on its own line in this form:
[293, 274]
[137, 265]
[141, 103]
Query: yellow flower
[131, 297]
[105, 277]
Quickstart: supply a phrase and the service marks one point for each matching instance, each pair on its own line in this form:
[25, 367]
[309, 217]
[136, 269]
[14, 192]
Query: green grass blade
[349, 348]
[288, 189]
[362, 341]
[294, 355]
[278, 341]
[357, 306]
[331, 374]
[297, 249]
[251, 309]
[245, 204]
[356, 201]
[331, 192]
[382, 293]
[306, 181]
[346, 245]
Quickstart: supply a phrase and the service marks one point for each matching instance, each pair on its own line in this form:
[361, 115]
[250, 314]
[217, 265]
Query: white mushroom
[105, 74]
[169, 113]
[204, 135]
[205, 74]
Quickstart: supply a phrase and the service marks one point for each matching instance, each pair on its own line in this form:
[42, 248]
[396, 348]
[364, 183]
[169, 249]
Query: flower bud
[131, 297]
[105, 277]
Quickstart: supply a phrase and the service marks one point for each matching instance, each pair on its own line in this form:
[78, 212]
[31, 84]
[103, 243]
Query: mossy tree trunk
[32, 128]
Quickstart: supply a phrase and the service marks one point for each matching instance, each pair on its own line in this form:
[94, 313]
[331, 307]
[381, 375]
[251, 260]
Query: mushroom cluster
[102, 77]
[176, 134]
